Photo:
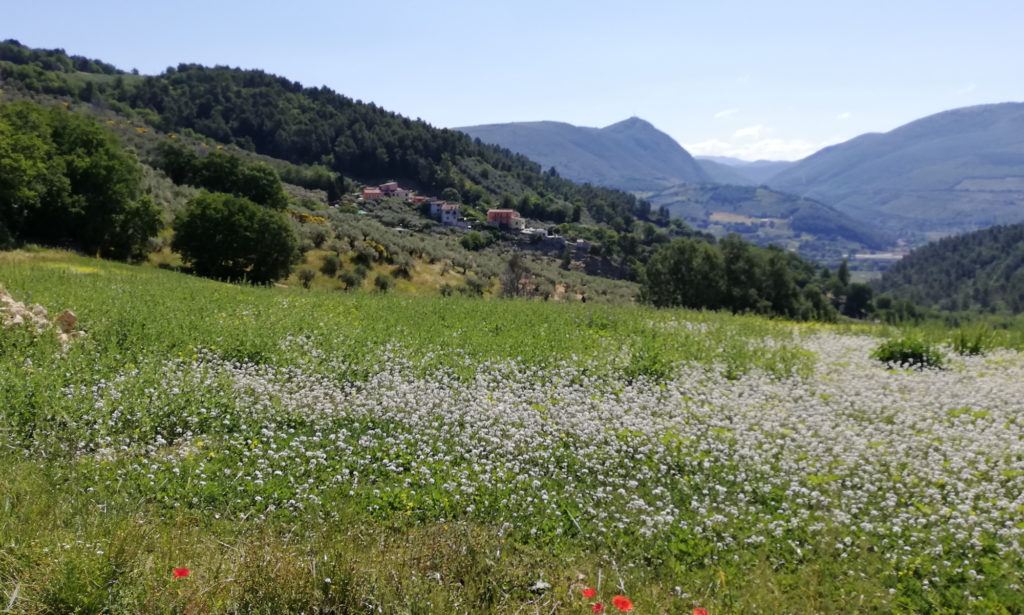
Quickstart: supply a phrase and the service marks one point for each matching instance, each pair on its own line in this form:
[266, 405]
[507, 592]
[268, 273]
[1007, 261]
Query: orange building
[505, 218]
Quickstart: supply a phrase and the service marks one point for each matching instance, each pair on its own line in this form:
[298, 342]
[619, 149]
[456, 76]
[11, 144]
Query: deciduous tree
[228, 237]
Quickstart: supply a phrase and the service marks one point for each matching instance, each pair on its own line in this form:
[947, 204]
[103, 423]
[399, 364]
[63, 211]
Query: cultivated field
[325, 452]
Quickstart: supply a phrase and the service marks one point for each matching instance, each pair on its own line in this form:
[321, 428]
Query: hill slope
[980, 270]
[951, 172]
[724, 174]
[765, 216]
[629, 155]
[755, 172]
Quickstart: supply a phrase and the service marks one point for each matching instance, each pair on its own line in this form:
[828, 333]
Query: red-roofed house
[372, 194]
[393, 189]
[505, 218]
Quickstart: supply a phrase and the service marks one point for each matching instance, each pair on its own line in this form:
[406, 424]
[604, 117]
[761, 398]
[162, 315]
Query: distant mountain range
[951, 172]
[634, 155]
[630, 155]
[742, 171]
[947, 173]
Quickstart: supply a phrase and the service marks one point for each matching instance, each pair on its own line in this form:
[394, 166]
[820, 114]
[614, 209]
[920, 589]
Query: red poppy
[598, 607]
[699, 611]
[588, 592]
[181, 573]
[622, 603]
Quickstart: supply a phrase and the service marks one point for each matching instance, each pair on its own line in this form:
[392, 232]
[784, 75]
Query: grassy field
[327, 452]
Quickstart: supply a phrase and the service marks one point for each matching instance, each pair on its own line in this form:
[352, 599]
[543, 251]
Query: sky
[753, 80]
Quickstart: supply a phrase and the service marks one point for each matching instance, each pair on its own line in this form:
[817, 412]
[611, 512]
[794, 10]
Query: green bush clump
[383, 282]
[306, 276]
[974, 340]
[908, 352]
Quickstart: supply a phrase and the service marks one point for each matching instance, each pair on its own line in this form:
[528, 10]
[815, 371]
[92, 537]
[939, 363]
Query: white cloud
[968, 88]
[750, 132]
[759, 149]
[844, 115]
[725, 113]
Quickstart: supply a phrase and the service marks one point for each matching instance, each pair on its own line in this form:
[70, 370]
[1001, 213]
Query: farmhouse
[505, 219]
[387, 190]
[392, 189]
[445, 213]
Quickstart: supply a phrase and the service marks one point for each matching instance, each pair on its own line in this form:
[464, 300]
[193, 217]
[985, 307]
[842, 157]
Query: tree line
[66, 181]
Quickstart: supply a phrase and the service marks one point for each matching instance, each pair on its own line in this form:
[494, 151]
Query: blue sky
[772, 80]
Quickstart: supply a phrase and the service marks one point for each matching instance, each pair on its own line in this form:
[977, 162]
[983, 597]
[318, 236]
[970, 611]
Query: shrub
[317, 234]
[473, 241]
[908, 352]
[350, 278]
[330, 265]
[472, 287]
[975, 340]
[384, 282]
[648, 361]
[306, 276]
[365, 254]
[403, 265]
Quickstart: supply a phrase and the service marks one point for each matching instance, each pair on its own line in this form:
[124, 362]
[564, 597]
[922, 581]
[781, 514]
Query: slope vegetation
[766, 216]
[983, 270]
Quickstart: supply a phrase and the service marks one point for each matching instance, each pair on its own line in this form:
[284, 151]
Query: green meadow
[314, 451]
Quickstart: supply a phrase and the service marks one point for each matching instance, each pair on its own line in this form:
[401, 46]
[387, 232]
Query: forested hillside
[276, 117]
[983, 270]
[766, 216]
[221, 140]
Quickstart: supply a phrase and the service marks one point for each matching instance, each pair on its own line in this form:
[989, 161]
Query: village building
[506, 219]
[392, 189]
[372, 194]
[445, 213]
[533, 234]
[450, 213]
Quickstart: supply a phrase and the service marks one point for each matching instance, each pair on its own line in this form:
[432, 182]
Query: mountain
[754, 171]
[724, 174]
[629, 155]
[982, 270]
[764, 216]
[951, 172]
[718, 196]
